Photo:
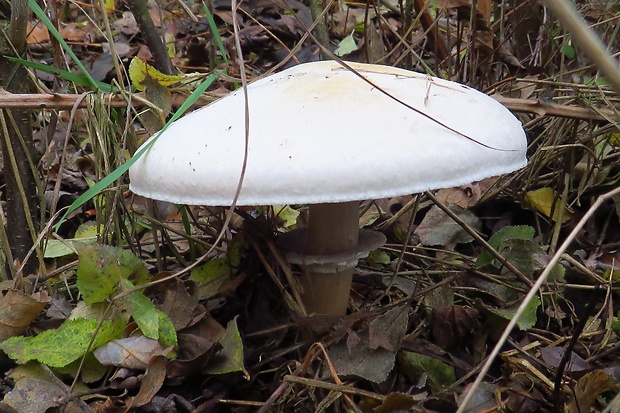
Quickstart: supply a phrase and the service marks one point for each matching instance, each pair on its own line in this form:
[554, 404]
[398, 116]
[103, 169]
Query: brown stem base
[326, 293]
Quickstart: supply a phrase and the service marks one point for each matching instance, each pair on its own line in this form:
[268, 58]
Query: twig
[67, 101]
[542, 108]
[318, 15]
[333, 387]
[140, 11]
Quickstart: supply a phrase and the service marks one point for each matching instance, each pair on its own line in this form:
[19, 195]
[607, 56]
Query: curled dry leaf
[151, 382]
[588, 389]
[18, 310]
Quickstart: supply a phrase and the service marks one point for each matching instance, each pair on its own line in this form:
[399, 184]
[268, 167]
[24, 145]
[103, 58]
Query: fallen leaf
[464, 196]
[178, 304]
[18, 310]
[67, 343]
[346, 46]
[197, 343]
[395, 402]
[483, 400]
[414, 366]
[553, 355]
[127, 24]
[374, 351]
[547, 202]
[32, 395]
[140, 71]
[589, 388]
[230, 357]
[437, 228]
[452, 323]
[152, 381]
[131, 352]
[388, 329]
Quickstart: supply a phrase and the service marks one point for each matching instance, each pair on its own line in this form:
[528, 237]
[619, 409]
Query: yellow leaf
[286, 214]
[109, 6]
[171, 50]
[547, 202]
[614, 139]
[140, 71]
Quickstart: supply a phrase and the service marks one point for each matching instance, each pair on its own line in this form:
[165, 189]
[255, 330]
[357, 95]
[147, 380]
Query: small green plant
[106, 279]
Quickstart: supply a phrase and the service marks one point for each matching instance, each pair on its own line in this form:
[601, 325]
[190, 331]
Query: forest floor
[192, 309]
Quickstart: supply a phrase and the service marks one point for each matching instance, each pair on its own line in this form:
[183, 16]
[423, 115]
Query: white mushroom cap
[320, 134]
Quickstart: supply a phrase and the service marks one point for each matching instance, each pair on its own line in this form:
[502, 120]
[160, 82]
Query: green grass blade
[38, 11]
[118, 172]
[63, 74]
[215, 33]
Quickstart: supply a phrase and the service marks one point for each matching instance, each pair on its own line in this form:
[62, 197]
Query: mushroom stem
[333, 229]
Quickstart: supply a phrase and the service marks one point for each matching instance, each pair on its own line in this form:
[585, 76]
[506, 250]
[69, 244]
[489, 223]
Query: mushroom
[323, 135]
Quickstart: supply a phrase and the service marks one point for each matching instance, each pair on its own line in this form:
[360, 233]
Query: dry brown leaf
[32, 395]
[18, 310]
[151, 382]
[197, 343]
[589, 388]
[452, 323]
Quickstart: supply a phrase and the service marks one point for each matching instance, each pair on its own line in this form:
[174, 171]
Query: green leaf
[286, 214]
[377, 258]
[153, 323]
[69, 342]
[143, 312]
[55, 248]
[230, 358]
[415, 366]
[523, 232]
[569, 51]
[547, 202]
[527, 319]
[527, 256]
[101, 268]
[211, 276]
[615, 325]
[140, 71]
[98, 272]
[86, 233]
[167, 333]
[346, 46]
[88, 230]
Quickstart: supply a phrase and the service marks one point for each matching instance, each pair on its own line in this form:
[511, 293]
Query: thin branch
[534, 106]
